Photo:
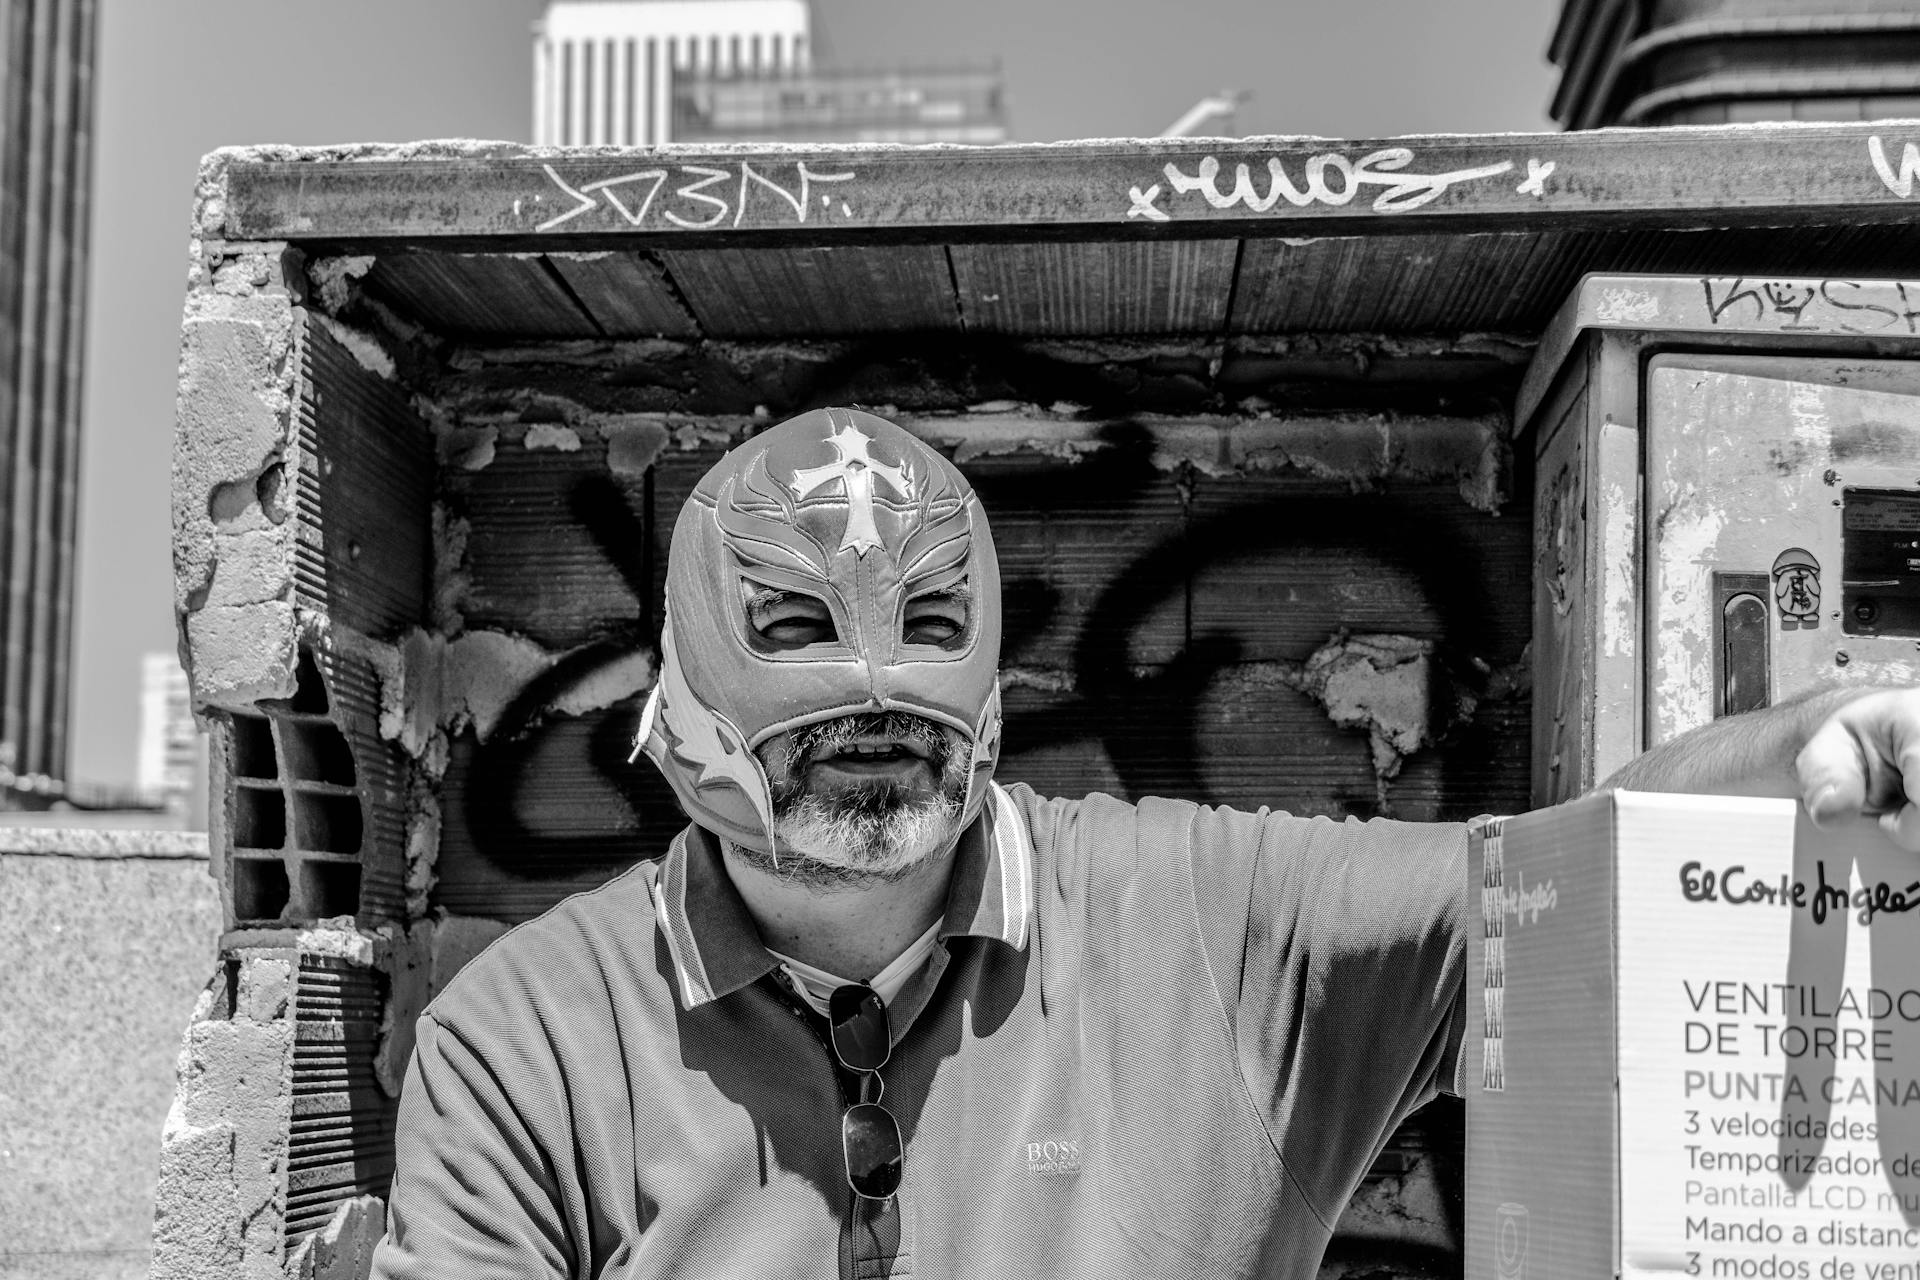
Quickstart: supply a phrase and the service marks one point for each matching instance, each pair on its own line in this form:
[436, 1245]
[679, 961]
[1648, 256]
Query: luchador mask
[847, 508]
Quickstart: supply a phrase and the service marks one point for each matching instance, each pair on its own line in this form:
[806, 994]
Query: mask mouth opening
[867, 739]
[867, 795]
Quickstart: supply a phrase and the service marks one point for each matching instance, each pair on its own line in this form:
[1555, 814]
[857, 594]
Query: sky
[177, 78]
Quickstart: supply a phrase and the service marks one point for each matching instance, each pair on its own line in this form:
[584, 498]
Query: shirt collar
[716, 950]
[991, 894]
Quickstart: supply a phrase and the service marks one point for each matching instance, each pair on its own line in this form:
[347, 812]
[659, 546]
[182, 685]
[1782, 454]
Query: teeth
[868, 752]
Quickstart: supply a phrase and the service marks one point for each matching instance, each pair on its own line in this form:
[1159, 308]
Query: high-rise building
[46, 146]
[1655, 62]
[603, 70]
[170, 770]
[932, 104]
[647, 72]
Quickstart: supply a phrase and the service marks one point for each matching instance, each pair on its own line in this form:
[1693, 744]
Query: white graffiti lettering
[1900, 182]
[1382, 168]
[693, 191]
[635, 197]
[634, 215]
[586, 202]
[1143, 204]
[1536, 183]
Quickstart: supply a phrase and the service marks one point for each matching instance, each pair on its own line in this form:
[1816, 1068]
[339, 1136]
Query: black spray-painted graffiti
[705, 195]
[1329, 178]
[1814, 306]
[1147, 724]
[500, 770]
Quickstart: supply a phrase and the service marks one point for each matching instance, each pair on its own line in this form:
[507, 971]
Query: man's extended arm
[1845, 751]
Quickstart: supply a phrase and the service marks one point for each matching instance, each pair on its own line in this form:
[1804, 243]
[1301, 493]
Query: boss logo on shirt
[1053, 1157]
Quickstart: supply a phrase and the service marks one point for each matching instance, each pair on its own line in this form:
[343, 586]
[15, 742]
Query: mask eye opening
[781, 619]
[941, 618]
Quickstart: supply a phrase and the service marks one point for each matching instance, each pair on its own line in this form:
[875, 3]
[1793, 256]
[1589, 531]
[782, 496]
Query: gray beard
[841, 837]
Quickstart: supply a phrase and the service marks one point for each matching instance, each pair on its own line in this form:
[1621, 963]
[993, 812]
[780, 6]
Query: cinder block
[265, 990]
[232, 426]
[242, 653]
[252, 1162]
[235, 1069]
[343, 1249]
[196, 1213]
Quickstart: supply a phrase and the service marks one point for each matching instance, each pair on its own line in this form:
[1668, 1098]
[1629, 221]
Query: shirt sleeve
[1342, 949]
[473, 1194]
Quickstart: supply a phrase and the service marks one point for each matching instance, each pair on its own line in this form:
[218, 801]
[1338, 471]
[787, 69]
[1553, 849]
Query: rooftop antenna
[1221, 108]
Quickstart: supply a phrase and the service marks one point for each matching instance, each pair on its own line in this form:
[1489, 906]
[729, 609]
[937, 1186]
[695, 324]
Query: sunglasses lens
[872, 1143]
[860, 1034]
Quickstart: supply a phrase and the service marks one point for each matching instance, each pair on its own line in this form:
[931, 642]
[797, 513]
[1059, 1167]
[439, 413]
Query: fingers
[1902, 823]
[1865, 759]
[1903, 827]
[1833, 772]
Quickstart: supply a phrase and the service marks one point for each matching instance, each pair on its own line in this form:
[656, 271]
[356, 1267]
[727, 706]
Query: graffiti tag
[1899, 181]
[704, 197]
[1329, 178]
[1845, 306]
[1099, 714]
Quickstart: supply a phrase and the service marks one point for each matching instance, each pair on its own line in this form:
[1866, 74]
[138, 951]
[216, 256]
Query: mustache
[917, 733]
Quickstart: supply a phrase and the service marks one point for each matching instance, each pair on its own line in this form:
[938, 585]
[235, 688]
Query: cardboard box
[1695, 1045]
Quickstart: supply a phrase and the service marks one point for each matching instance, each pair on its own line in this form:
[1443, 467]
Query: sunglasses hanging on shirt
[869, 1136]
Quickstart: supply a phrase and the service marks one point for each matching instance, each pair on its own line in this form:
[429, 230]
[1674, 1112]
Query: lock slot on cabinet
[1741, 674]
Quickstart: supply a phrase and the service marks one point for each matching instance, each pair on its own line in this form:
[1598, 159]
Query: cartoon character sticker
[1796, 589]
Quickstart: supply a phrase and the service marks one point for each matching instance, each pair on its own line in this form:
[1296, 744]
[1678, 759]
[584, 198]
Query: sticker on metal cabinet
[1796, 588]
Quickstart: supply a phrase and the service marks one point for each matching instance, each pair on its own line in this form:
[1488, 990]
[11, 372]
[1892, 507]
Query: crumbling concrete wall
[301, 520]
[223, 1153]
[232, 543]
[105, 935]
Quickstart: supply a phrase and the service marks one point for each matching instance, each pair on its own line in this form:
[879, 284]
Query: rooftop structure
[604, 70]
[1668, 62]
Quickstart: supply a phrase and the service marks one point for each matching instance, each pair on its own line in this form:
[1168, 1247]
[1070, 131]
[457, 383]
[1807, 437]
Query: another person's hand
[1865, 759]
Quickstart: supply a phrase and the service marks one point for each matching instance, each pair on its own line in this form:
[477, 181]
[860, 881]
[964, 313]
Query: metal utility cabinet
[1243, 413]
[1726, 505]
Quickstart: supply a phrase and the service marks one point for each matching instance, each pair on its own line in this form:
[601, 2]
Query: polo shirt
[1155, 1040]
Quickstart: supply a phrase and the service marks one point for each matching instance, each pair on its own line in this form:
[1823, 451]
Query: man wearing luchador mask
[876, 1014]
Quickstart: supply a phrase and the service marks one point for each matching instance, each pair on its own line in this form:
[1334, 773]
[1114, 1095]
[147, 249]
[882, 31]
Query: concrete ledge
[83, 842]
[102, 961]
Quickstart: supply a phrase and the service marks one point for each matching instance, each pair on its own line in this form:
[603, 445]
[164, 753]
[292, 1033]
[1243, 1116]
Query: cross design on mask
[856, 468]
